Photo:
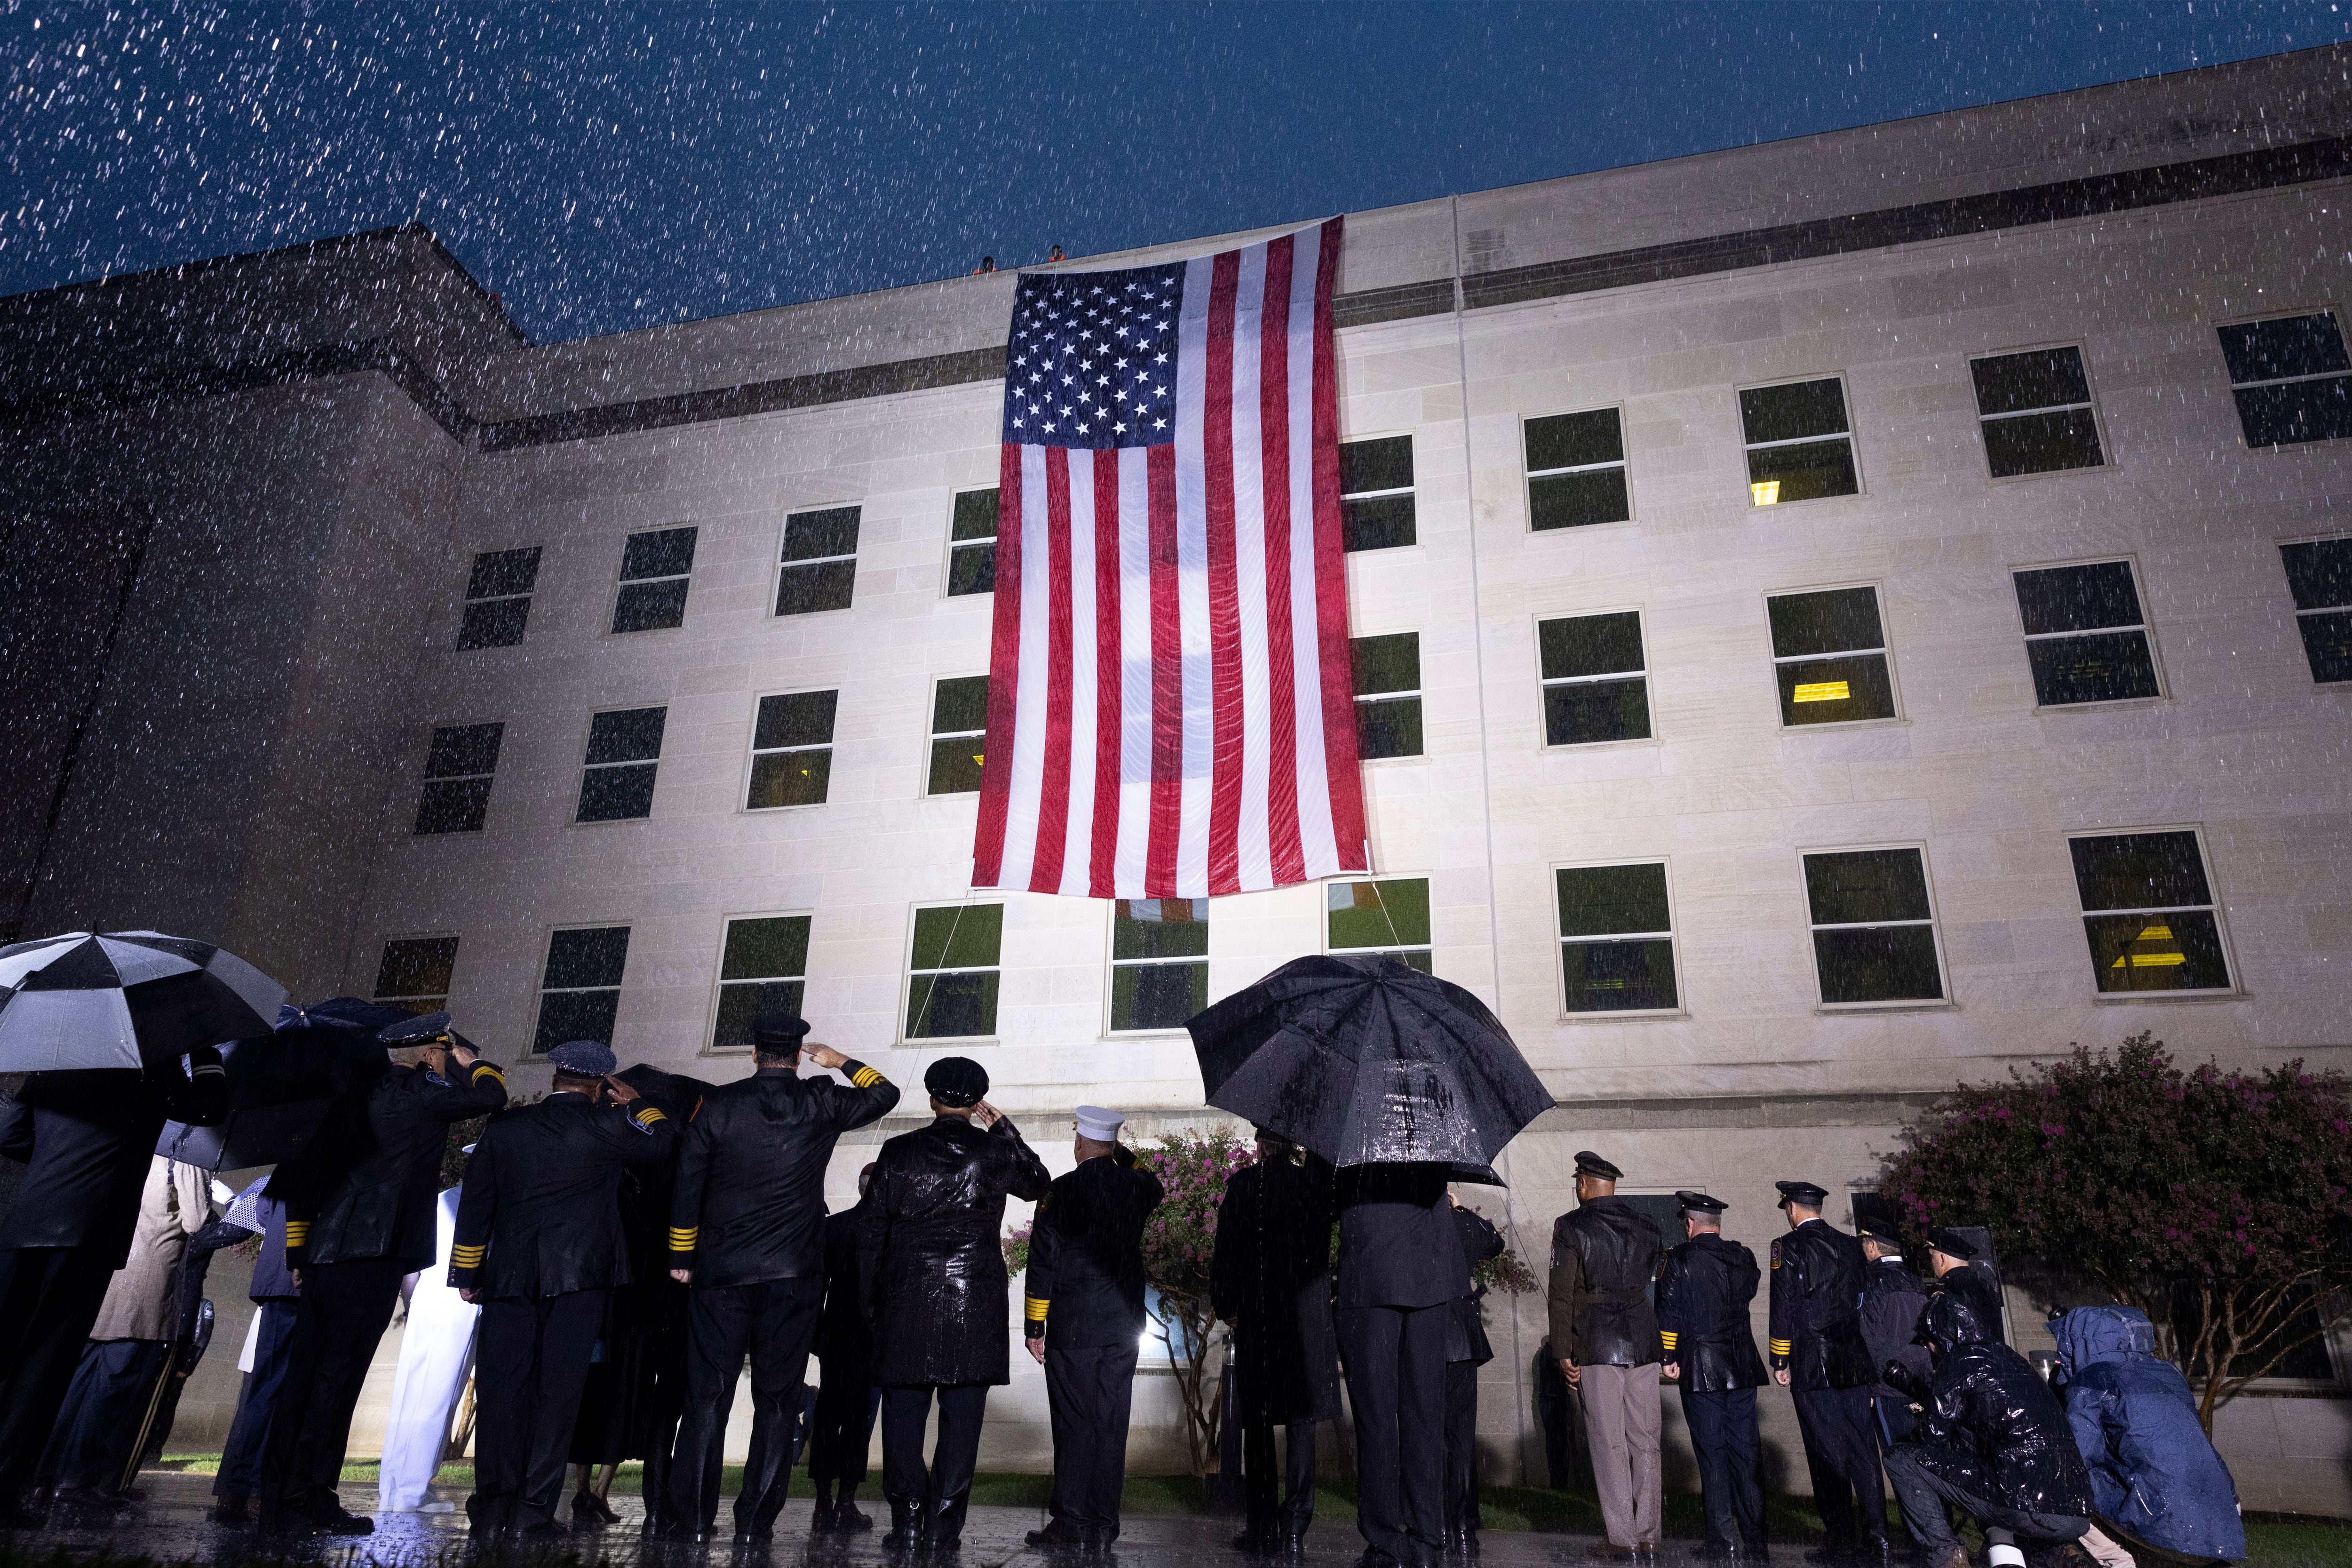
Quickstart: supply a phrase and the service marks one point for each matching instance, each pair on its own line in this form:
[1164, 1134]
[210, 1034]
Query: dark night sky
[609, 167]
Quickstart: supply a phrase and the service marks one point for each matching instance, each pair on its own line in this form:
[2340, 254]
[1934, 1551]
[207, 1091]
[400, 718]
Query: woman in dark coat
[931, 1267]
[1270, 1278]
[2153, 1470]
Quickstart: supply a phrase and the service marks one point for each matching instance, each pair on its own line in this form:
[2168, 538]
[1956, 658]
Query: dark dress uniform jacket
[1480, 1241]
[1085, 1254]
[748, 1204]
[367, 1185]
[1603, 1257]
[1817, 1309]
[1703, 1299]
[1892, 1300]
[930, 1260]
[1270, 1278]
[542, 1197]
[86, 1140]
[843, 1340]
[1398, 1243]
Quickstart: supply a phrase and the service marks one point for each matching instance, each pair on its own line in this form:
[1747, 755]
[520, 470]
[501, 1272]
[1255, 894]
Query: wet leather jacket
[1992, 1426]
[931, 1254]
[1603, 1257]
[1703, 1304]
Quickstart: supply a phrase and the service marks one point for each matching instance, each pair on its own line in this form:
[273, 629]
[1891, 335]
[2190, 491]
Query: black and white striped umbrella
[120, 999]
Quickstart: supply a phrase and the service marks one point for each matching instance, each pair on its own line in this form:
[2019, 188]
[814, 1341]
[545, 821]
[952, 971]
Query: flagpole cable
[945, 948]
[1519, 1394]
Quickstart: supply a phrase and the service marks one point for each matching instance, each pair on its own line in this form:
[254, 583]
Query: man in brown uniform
[1603, 1257]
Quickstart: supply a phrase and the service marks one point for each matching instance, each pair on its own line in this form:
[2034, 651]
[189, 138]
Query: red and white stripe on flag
[1170, 709]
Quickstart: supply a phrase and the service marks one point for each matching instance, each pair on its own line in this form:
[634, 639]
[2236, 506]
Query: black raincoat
[1993, 1429]
[1270, 1278]
[930, 1254]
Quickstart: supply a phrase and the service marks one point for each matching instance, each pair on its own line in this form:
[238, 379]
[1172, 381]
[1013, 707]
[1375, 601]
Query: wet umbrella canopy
[1368, 1061]
[124, 999]
[280, 1084]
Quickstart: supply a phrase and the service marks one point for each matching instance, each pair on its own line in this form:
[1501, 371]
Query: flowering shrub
[2213, 1201]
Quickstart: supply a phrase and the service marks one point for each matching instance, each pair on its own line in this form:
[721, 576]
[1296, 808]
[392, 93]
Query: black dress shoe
[340, 1523]
[88, 1498]
[589, 1509]
[751, 1535]
[1293, 1543]
[231, 1511]
[849, 1516]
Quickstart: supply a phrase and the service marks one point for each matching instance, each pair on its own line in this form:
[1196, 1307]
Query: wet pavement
[171, 1526]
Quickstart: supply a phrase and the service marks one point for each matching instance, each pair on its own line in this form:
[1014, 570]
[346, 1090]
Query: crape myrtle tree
[2214, 1202]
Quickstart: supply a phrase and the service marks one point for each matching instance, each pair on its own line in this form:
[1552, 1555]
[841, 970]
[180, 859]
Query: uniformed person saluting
[1817, 1354]
[1083, 1317]
[747, 1232]
[1704, 1294]
[539, 1244]
[362, 1213]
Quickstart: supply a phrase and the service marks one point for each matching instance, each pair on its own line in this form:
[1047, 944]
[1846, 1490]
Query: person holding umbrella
[929, 1264]
[361, 1215]
[747, 1233]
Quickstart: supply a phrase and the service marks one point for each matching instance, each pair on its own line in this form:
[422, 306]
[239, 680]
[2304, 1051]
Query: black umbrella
[1368, 1061]
[280, 1084]
[124, 999]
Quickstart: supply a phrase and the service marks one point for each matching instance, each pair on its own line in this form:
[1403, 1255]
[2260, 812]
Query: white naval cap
[1099, 1124]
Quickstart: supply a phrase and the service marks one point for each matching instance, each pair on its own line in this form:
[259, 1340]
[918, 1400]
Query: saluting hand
[986, 1115]
[824, 1056]
[621, 1093]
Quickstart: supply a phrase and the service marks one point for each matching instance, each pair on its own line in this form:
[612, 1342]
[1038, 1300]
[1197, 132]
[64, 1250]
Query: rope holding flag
[1171, 702]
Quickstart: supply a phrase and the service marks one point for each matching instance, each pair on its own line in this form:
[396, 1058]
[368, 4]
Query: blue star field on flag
[1092, 359]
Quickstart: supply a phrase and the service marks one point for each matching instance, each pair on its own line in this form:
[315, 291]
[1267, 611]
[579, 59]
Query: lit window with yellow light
[1800, 442]
[1829, 656]
[2148, 911]
[792, 750]
[762, 962]
[959, 734]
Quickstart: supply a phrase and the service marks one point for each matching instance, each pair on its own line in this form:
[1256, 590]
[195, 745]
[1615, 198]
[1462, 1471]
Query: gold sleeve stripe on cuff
[1779, 1347]
[1036, 1307]
[1669, 1336]
[683, 1240]
[650, 1115]
[467, 1256]
[864, 1078]
[297, 1232]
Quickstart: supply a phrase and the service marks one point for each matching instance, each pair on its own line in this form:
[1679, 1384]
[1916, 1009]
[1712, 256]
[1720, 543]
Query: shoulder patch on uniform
[1776, 1253]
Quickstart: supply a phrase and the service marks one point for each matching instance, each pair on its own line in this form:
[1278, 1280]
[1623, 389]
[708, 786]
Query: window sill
[2168, 998]
[1662, 1016]
[1848, 1009]
[2155, 702]
[609, 633]
[1580, 530]
[1384, 549]
[1993, 479]
[1378, 761]
[611, 821]
[772, 810]
[1574, 748]
[1809, 500]
[1121, 1036]
[1896, 722]
[943, 1042]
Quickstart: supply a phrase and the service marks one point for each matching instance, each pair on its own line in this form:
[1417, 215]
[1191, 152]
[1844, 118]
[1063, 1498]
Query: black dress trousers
[530, 1367]
[1722, 1436]
[1280, 1504]
[842, 1432]
[1089, 1391]
[344, 1310]
[1841, 1452]
[1461, 1446]
[775, 1322]
[941, 1495]
[1922, 1494]
[49, 1297]
[1395, 1359]
[105, 1408]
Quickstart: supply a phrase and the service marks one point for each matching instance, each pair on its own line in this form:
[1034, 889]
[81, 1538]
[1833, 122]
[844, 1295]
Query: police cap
[1879, 1232]
[956, 1080]
[1806, 1192]
[584, 1059]
[777, 1030]
[422, 1029]
[1589, 1163]
[1951, 1243]
[1699, 1203]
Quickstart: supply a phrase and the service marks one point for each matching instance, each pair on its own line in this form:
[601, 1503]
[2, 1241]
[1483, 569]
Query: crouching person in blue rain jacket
[2153, 1471]
[1993, 1442]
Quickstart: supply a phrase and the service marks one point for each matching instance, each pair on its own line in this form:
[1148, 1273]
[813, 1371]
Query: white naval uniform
[436, 1349]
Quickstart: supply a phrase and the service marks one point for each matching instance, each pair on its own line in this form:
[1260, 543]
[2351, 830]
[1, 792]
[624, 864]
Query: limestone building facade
[1835, 618]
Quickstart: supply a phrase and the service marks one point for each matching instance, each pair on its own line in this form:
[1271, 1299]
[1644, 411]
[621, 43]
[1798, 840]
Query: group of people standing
[1884, 1370]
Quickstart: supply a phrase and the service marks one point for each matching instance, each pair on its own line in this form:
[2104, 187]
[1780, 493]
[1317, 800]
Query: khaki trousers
[1621, 1427]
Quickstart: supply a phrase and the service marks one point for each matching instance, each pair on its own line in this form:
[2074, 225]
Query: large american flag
[1170, 712]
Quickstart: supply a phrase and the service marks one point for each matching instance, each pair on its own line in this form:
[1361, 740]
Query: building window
[623, 749]
[1596, 686]
[458, 770]
[1376, 493]
[2084, 634]
[581, 990]
[2289, 376]
[820, 568]
[971, 544]
[792, 750]
[952, 974]
[762, 963]
[654, 575]
[1873, 928]
[2319, 575]
[2035, 410]
[497, 598]
[1829, 656]
[1388, 695]
[2149, 912]
[1576, 469]
[959, 732]
[1616, 939]
[1158, 963]
[1798, 445]
[415, 972]
[1386, 918]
